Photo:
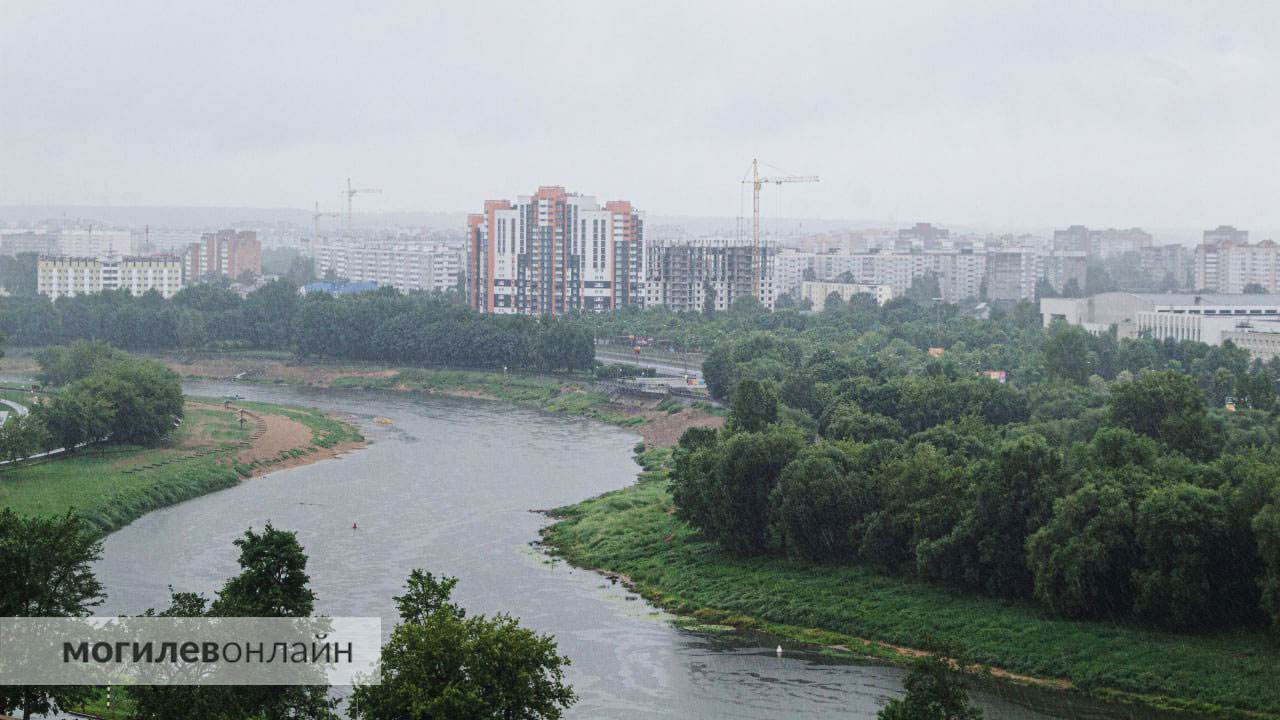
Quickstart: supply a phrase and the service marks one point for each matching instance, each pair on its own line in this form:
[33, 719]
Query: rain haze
[996, 114]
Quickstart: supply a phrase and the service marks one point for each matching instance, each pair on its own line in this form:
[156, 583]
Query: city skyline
[925, 112]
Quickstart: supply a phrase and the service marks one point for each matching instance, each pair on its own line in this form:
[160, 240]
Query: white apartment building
[64, 276]
[406, 266]
[960, 272]
[1229, 266]
[95, 243]
[817, 292]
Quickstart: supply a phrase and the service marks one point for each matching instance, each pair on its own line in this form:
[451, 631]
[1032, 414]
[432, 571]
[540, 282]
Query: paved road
[18, 408]
[663, 366]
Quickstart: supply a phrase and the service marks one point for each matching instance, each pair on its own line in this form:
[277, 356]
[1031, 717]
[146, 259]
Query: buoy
[779, 651]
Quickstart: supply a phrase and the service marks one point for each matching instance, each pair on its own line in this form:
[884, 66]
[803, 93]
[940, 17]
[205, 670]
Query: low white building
[405, 266]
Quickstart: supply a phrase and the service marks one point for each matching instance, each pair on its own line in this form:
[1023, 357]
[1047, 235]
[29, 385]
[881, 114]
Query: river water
[447, 487]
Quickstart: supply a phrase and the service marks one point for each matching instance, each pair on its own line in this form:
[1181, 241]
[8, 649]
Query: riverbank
[632, 535]
[112, 485]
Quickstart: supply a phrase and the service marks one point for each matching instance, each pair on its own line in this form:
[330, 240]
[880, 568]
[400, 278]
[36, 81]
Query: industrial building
[555, 252]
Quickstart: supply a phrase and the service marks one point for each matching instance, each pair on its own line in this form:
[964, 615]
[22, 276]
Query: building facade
[406, 266]
[1232, 266]
[555, 252]
[65, 276]
[817, 292]
[95, 243]
[227, 253]
[694, 275]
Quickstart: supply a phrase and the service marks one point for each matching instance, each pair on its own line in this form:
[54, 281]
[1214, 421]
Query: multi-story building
[1164, 261]
[555, 252]
[691, 275]
[1225, 233]
[94, 243]
[1231, 266]
[817, 292]
[228, 253]
[28, 241]
[1012, 273]
[922, 236]
[406, 266]
[960, 272]
[1065, 268]
[65, 276]
[1101, 243]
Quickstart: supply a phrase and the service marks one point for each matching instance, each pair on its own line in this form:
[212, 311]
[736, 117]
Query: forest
[1100, 477]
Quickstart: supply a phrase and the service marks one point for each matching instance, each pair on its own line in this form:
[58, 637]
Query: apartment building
[1161, 261]
[817, 292]
[228, 253]
[1101, 243]
[960, 273]
[92, 242]
[692, 275]
[1229, 263]
[406, 266]
[555, 252]
[65, 276]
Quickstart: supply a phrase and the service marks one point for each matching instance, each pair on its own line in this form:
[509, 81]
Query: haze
[998, 113]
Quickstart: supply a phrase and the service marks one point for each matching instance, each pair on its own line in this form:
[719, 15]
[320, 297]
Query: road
[664, 366]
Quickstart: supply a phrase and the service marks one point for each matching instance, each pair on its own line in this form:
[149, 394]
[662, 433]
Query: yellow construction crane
[756, 181]
[315, 220]
[352, 192]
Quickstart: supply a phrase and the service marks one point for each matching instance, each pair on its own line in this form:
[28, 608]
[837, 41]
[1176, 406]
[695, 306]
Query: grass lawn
[111, 485]
[631, 532]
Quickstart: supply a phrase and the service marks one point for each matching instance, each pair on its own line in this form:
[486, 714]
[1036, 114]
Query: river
[447, 487]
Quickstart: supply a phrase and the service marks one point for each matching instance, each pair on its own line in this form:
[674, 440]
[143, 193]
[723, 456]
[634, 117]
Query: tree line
[1104, 479]
[385, 325]
[99, 394]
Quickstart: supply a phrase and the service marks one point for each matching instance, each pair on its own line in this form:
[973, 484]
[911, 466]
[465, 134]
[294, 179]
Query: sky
[1000, 114]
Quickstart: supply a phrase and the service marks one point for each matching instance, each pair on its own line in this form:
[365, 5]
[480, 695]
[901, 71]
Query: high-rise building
[64, 276]
[692, 275]
[923, 236]
[1167, 261]
[555, 252]
[1101, 243]
[1225, 233]
[228, 253]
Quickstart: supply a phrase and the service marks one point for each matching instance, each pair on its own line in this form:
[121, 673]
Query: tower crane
[756, 181]
[352, 192]
[315, 220]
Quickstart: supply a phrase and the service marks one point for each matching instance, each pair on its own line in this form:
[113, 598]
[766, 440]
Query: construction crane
[352, 192]
[756, 181]
[315, 220]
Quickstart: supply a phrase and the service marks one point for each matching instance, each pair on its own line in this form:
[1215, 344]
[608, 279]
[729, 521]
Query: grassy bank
[111, 485]
[631, 532]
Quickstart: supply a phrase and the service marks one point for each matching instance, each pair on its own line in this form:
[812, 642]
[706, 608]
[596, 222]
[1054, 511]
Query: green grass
[630, 531]
[541, 392]
[111, 485]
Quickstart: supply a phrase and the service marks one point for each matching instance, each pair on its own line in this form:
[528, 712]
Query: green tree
[1183, 540]
[1067, 353]
[442, 665]
[22, 436]
[754, 406]
[1168, 406]
[934, 692]
[815, 503]
[1266, 530]
[76, 416]
[47, 566]
[273, 580]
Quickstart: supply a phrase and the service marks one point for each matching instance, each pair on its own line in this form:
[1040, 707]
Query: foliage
[934, 692]
[440, 663]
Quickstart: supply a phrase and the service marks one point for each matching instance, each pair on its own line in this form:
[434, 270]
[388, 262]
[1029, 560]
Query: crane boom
[315, 220]
[756, 181]
[352, 192]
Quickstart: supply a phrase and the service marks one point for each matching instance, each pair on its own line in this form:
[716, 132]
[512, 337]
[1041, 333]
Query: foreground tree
[46, 566]
[934, 692]
[440, 664]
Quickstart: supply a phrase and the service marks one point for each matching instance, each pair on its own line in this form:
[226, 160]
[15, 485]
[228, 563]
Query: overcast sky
[995, 113]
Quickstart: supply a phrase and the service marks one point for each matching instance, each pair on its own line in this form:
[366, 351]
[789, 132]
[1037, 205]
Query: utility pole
[352, 192]
[756, 181]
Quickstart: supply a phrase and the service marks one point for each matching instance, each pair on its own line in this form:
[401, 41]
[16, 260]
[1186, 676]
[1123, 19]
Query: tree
[1067, 353]
[76, 416]
[1182, 537]
[934, 692]
[22, 436]
[146, 398]
[815, 504]
[273, 580]
[47, 566]
[440, 664]
[754, 406]
[1168, 406]
[1253, 288]
[1266, 529]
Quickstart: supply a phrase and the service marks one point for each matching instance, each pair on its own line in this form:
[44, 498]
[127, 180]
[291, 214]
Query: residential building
[1231, 265]
[1101, 243]
[1225, 233]
[93, 242]
[1167, 261]
[29, 241]
[65, 276]
[1065, 269]
[228, 253]
[817, 292]
[692, 275]
[922, 236]
[555, 252]
[406, 266]
[1012, 273]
